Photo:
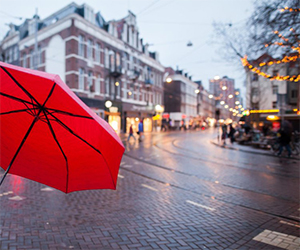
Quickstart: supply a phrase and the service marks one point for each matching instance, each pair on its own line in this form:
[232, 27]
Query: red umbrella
[50, 136]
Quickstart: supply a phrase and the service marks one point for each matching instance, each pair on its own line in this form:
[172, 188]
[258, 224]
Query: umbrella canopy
[50, 136]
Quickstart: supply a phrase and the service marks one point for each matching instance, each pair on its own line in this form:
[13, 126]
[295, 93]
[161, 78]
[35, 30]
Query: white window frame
[98, 84]
[81, 79]
[81, 45]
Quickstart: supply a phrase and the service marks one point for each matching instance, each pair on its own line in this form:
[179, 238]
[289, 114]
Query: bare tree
[274, 27]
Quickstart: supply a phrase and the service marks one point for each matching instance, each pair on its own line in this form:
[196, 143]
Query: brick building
[99, 60]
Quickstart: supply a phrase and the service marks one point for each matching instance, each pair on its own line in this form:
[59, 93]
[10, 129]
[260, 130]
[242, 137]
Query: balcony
[133, 74]
[116, 72]
[149, 81]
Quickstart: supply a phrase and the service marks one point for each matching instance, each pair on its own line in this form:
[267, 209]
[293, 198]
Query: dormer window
[31, 27]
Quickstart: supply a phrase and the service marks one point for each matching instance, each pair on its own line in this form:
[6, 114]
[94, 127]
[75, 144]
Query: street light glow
[117, 83]
[237, 102]
[197, 91]
[108, 104]
[169, 80]
[230, 96]
[226, 106]
[222, 102]
[210, 96]
[224, 87]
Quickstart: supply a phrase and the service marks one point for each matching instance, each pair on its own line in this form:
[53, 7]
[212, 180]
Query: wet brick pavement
[175, 191]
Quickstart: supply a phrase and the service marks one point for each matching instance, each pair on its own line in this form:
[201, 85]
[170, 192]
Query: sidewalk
[250, 149]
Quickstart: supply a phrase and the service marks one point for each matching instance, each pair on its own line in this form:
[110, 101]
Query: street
[176, 190]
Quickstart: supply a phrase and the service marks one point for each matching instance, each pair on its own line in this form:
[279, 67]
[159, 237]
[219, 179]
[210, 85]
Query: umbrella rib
[17, 99]
[41, 108]
[68, 113]
[58, 144]
[72, 132]
[20, 86]
[14, 111]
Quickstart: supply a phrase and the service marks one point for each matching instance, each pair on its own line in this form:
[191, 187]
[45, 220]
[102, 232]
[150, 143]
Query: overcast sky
[167, 25]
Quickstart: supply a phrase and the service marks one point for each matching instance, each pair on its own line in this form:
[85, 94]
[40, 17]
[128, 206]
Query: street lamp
[210, 96]
[222, 102]
[169, 80]
[224, 87]
[108, 104]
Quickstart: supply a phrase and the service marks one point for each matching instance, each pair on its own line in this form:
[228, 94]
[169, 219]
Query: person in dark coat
[285, 139]
[231, 133]
[224, 133]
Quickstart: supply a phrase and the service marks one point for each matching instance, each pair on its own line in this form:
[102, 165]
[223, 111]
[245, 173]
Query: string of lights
[246, 63]
[286, 59]
[289, 9]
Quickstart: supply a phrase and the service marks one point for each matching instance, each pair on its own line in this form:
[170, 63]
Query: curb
[251, 152]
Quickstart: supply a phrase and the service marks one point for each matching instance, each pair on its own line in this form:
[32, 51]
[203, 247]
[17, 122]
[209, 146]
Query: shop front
[133, 114]
[112, 113]
[94, 104]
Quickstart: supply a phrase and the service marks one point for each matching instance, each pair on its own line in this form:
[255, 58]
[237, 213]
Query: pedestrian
[141, 129]
[130, 133]
[285, 138]
[224, 133]
[231, 133]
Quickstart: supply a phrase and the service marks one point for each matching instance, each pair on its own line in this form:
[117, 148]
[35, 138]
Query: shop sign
[113, 109]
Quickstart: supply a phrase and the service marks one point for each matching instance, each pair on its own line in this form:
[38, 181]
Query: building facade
[266, 97]
[105, 63]
[180, 97]
[223, 92]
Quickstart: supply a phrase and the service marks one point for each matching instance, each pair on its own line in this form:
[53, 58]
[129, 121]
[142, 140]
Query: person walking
[285, 138]
[130, 133]
[224, 133]
[141, 129]
[231, 133]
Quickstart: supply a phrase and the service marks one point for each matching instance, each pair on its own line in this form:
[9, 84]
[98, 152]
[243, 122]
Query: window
[106, 59]
[119, 89]
[10, 55]
[255, 77]
[274, 104]
[31, 59]
[89, 51]
[112, 60]
[98, 84]
[131, 62]
[90, 81]
[294, 93]
[107, 86]
[24, 60]
[97, 53]
[112, 89]
[81, 46]
[125, 90]
[39, 57]
[275, 89]
[81, 79]
[118, 62]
